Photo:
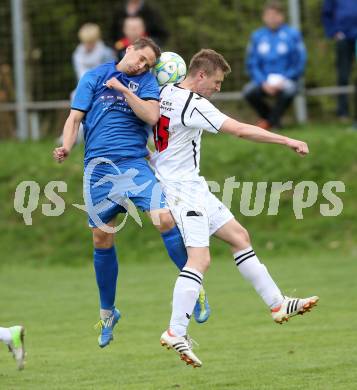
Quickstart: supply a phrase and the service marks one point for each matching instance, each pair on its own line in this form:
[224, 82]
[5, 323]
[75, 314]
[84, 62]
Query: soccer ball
[170, 68]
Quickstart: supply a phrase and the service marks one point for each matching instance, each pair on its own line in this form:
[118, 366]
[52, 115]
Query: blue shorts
[112, 188]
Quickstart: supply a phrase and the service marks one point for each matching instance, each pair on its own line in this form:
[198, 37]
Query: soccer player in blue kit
[116, 127]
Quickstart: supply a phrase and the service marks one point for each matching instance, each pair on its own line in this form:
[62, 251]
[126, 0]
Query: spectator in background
[275, 61]
[133, 29]
[339, 18]
[91, 51]
[153, 20]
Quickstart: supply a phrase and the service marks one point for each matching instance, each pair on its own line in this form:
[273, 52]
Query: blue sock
[106, 272]
[175, 247]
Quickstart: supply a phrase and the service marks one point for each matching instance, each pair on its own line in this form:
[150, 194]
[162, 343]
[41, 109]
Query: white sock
[104, 313]
[5, 335]
[257, 274]
[185, 295]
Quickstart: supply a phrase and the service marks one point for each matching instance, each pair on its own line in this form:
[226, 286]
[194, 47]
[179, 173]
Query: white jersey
[183, 117]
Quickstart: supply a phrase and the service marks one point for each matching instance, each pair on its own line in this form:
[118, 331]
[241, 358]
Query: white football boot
[17, 345]
[182, 345]
[291, 307]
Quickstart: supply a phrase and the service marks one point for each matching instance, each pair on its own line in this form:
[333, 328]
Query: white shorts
[197, 212]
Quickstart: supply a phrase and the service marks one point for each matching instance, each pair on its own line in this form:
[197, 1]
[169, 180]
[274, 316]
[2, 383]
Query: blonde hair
[89, 33]
[209, 61]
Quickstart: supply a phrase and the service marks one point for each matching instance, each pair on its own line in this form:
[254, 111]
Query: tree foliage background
[225, 25]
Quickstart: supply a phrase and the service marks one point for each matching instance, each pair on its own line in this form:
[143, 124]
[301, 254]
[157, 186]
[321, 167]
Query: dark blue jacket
[276, 51]
[340, 16]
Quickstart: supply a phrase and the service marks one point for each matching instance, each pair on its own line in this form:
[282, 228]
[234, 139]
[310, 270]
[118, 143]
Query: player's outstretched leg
[185, 294]
[177, 251]
[106, 270]
[282, 308]
[249, 265]
[291, 307]
[17, 345]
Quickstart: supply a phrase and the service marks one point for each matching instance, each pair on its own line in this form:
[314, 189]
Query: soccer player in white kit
[185, 113]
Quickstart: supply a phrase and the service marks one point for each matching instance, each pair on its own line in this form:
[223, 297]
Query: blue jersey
[279, 51]
[111, 128]
[340, 16]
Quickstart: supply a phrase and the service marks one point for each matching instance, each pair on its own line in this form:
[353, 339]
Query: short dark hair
[274, 5]
[209, 61]
[147, 42]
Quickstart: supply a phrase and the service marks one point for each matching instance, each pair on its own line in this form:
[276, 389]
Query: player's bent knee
[245, 235]
[199, 261]
[205, 263]
[241, 239]
[166, 222]
[102, 239]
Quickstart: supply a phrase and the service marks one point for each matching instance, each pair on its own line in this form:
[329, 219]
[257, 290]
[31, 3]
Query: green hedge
[67, 239]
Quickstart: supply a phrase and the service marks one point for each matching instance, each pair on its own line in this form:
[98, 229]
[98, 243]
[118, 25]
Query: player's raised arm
[257, 134]
[146, 110]
[70, 132]
[138, 59]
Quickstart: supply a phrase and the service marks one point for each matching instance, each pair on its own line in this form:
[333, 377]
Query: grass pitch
[48, 284]
[240, 346]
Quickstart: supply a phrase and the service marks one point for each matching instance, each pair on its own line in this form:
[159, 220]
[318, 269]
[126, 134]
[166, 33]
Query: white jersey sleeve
[202, 114]
[177, 135]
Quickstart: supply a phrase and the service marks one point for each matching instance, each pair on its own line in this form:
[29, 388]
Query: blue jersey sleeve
[83, 98]
[297, 57]
[150, 89]
[253, 64]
